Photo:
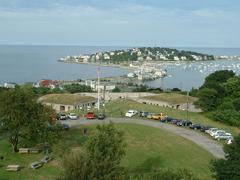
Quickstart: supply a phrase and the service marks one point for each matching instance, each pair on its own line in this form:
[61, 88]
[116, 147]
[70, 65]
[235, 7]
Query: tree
[208, 99]
[116, 89]
[101, 160]
[22, 118]
[228, 168]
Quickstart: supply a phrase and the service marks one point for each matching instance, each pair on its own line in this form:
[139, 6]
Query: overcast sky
[190, 23]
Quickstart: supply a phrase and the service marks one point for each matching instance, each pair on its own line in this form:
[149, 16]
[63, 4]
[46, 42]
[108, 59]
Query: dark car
[204, 128]
[166, 119]
[101, 116]
[196, 126]
[65, 127]
[144, 114]
[175, 121]
[185, 123]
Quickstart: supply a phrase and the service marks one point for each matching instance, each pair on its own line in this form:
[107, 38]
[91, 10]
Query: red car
[90, 115]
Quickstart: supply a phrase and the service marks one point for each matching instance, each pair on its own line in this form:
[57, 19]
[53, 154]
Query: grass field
[173, 98]
[147, 148]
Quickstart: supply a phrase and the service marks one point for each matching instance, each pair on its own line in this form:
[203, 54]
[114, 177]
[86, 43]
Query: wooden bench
[34, 151]
[36, 165]
[13, 168]
[29, 150]
[23, 150]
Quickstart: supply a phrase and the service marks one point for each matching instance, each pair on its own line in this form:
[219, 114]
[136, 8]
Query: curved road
[209, 144]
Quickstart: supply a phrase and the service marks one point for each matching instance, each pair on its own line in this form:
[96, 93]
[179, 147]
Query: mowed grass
[118, 108]
[48, 171]
[173, 98]
[147, 148]
[151, 148]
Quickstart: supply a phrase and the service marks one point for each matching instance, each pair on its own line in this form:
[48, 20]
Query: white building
[9, 85]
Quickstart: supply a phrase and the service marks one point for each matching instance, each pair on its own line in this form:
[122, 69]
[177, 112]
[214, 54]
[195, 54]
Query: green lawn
[174, 98]
[147, 148]
[153, 148]
[48, 171]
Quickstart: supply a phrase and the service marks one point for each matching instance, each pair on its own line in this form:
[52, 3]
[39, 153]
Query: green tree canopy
[101, 160]
[228, 168]
[208, 99]
[22, 118]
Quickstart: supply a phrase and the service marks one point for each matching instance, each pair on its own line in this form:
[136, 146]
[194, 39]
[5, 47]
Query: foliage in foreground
[101, 159]
[219, 96]
[23, 120]
[228, 168]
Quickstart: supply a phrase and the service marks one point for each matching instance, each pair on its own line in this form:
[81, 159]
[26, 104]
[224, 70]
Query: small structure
[13, 168]
[68, 102]
[9, 85]
[36, 165]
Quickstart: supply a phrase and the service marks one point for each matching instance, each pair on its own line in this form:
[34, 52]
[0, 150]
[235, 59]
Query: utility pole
[98, 74]
[187, 103]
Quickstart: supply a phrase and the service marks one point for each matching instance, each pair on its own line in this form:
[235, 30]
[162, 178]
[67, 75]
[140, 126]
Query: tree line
[219, 97]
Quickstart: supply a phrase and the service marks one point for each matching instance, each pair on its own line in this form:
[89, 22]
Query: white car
[131, 113]
[211, 130]
[213, 133]
[221, 133]
[72, 116]
[225, 136]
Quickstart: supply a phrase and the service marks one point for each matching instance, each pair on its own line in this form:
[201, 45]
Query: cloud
[127, 23]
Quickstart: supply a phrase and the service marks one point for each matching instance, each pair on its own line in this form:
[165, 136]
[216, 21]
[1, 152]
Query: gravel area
[200, 139]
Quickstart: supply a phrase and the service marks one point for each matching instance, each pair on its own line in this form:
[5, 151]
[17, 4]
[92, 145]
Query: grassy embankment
[147, 148]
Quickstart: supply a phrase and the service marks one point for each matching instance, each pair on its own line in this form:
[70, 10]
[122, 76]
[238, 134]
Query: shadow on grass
[148, 165]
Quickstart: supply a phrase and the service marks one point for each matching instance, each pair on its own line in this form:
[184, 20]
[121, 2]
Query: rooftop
[66, 99]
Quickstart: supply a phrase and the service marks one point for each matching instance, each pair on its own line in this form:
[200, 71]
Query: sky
[168, 23]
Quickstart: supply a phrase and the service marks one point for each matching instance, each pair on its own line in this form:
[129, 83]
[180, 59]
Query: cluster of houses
[140, 54]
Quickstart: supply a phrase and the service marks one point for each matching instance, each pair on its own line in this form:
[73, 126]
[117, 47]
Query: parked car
[166, 119]
[90, 115]
[131, 113]
[220, 132]
[210, 130]
[184, 123]
[150, 115]
[72, 116]
[61, 116]
[101, 116]
[175, 121]
[144, 114]
[213, 133]
[65, 127]
[205, 128]
[224, 136]
[158, 116]
[196, 126]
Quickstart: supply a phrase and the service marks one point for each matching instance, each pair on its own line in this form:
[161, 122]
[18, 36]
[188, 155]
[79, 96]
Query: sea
[21, 64]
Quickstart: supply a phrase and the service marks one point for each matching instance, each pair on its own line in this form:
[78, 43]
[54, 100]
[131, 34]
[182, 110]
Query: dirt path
[200, 139]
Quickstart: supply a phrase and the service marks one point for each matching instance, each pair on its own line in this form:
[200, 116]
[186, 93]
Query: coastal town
[146, 62]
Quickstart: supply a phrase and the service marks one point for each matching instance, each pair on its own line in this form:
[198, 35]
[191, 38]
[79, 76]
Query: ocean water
[21, 64]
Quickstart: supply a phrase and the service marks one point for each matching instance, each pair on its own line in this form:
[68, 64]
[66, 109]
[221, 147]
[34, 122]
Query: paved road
[209, 144]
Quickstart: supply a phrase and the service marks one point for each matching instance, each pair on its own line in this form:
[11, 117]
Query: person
[229, 141]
